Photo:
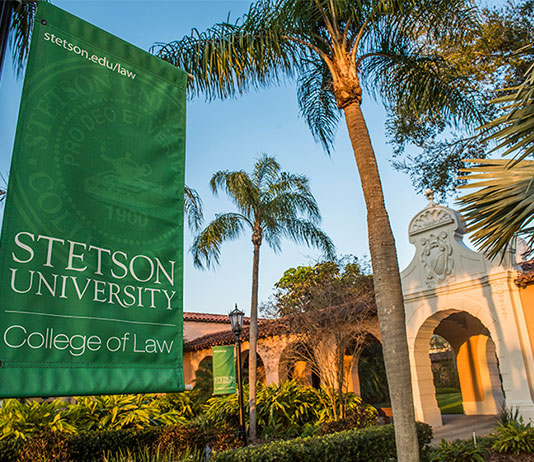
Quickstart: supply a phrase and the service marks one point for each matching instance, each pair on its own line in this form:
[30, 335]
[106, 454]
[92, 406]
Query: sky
[230, 135]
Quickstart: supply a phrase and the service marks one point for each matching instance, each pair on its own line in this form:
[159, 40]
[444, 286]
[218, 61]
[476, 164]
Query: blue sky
[231, 134]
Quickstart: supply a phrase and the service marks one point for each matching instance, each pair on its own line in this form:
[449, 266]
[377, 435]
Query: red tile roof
[527, 276]
[209, 317]
[266, 328]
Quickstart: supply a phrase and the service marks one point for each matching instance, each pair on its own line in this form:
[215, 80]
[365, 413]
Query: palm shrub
[123, 411]
[285, 409]
[186, 404]
[458, 451]
[20, 420]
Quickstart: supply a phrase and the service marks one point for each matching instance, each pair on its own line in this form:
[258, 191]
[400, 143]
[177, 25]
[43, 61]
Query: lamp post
[236, 320]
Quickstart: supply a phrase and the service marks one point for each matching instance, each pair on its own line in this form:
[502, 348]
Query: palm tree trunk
[387, 286]
[253, 338]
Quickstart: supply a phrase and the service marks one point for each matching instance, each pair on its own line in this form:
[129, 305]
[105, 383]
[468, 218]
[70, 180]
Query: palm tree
[503, 204]
[334, 47]
[272, 204]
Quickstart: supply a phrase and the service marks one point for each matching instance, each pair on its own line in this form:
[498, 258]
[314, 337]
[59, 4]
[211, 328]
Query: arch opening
[474, 356]
[298, 362]
[260, 367]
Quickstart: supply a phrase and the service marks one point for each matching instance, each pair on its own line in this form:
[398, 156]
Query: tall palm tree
[272, 204]
[334, 47]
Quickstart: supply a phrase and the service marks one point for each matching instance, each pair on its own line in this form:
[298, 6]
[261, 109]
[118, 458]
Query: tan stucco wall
[193, 330]
[527, 302]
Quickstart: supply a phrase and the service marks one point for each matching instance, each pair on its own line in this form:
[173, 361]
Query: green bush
[10, 449]
[283, 410]
[375, 444]
[359, 417]
[21, 420]
[194, 437]
[154, 455]
[90, 446]
[514, 437]
[458, 451]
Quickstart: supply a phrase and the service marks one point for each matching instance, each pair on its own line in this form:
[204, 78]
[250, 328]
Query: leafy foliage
[493, 55]
[372, 373]
[514, 437]
[157, 455]
[458, 451]
[20, 33]
[193, 208]
[326, 284]
[22, 420]
[288, 406]
[365, 445]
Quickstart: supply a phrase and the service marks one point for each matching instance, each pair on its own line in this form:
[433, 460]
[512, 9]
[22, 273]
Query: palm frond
[399, 69]
[503, 204]
[193, 208]
[20, 34]
[206, 248]
[239, 187]
[229, 59]
[304, 232]
[292, 204]
[317, 104]
[266, 171]
[514, 130]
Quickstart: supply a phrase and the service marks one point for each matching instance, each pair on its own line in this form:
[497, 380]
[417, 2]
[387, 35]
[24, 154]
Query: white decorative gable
[441, 257]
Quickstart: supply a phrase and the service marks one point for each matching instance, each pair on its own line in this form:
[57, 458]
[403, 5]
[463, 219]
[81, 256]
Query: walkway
[459, 426]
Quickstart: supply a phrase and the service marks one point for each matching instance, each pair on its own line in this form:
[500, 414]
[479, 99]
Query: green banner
[91, 244]
[223, 370]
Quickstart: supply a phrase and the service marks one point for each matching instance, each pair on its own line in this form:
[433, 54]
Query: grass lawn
[450, 403]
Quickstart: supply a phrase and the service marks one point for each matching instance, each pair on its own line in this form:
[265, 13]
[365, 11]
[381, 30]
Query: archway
[476, 360]
[297, 362]
[445, 373]
[260, 368]
[373, 382]
[203, 380]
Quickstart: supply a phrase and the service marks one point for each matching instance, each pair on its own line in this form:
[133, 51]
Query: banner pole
[242, 431]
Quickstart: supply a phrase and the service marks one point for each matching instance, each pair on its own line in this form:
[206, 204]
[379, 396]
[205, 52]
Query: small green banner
[223, 370]
[91, 244]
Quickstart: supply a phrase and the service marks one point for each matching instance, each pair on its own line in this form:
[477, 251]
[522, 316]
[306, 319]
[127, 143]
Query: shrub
[20, 420]
[375, 444]
[186, 403]
[514, 437]
[46, 446]
[193, 437]
[150, 455]
[458, 451]
[282, 410]
[359, 417]
[91, 445]
[10, 450]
